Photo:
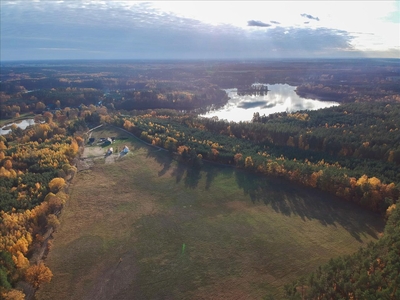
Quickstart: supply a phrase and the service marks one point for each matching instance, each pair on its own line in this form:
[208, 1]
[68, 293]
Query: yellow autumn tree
[48, 116]
[214, 153]
[362, 180]
[314, 178]
[4, 172]
[56, 184]
[13, 295]
[182, 148]
[248, 162]
[238, 157]
[373, 181]
[36, 275]
[128, 125]
[79, 140]
[20, 260]
[74, 147]
[21, 245]
[52, 221]
[390, 209]
[8, 164]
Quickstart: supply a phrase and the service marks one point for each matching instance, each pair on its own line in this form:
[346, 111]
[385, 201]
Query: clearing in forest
[146, 227]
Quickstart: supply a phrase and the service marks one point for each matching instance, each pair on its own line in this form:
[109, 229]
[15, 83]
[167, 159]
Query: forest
[36, 164]
[187, 85]
[351, 151]
[362, 168]
[371, 273]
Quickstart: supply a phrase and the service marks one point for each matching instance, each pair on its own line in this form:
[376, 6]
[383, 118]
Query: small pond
[280, 98]
[21, 124]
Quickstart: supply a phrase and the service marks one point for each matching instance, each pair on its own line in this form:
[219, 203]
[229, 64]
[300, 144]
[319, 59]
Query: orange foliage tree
[13, 295]
[8, 164]
[238, 157]
[36, 275]
[2, 146]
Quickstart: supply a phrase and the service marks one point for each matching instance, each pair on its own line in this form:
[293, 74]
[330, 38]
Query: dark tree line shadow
[310, 204]
[283, 196]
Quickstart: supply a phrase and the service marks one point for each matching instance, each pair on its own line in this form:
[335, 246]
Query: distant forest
[188, 85]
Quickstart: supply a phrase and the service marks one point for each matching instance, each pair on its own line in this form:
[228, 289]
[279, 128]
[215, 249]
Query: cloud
[257, 23]
[310, 17]
[137, 30]
[304, 42]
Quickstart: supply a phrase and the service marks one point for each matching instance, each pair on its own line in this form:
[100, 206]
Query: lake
[280, 98]
[21, 124]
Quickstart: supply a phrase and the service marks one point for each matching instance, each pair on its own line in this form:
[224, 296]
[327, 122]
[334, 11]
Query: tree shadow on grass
[211, 171]
[210, 176]
[166, 159]
[178, 172]
[166, 166]
[192, 178]
[309, 204]
[283, 196]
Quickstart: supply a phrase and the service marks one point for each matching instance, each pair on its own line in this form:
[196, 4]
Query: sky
[201, 30]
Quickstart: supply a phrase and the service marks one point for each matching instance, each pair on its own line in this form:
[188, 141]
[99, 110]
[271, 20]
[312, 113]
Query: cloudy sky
[95, 29]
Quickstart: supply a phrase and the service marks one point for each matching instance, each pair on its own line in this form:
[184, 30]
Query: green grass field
[146, 227]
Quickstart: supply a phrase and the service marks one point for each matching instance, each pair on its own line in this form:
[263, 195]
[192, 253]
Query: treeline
[172, 99]
[355, 92]
[190, 85]
[371, 273]
[357, 130]
[35, 165]
[372, 184]
[50, 99]
[58, 98]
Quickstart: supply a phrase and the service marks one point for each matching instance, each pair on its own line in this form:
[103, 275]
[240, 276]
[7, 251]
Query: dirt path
[92, 153]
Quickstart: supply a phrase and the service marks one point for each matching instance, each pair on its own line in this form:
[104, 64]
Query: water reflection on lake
[21, 124]
[280, 98]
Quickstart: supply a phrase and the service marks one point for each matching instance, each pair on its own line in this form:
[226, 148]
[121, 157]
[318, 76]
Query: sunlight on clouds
[257, 29]
[234, 13]
[365, 20]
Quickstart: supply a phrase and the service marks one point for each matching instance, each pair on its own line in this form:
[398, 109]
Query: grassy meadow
[145, 227]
